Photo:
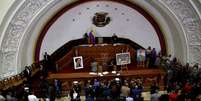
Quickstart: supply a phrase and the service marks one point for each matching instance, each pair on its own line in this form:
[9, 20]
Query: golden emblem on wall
[101, 19]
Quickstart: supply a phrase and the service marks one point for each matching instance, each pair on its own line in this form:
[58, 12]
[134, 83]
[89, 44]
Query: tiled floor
[146, 96]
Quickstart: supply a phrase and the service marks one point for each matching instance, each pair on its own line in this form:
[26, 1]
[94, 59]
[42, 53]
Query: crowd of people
[109, 90]
[181, 83]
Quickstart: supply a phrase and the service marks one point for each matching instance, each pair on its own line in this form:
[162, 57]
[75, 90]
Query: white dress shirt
[32, 98]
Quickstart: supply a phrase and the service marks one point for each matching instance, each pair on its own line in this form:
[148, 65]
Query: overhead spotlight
[106, 72]
[114, 72]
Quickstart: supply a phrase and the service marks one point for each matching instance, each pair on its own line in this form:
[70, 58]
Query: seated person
[94, 65]
[112, 65]
[100, 68]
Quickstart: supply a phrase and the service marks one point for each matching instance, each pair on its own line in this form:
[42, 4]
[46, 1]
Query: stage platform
[147, 75]
[129, 73]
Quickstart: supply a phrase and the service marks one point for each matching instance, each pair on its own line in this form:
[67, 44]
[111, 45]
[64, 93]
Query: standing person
[153, 57]
[43, 87]
[155, 96]
[92, 38]
[99, 92]
[2, 98]
[154, 88]
[85, 37]
[46, 57]
[125, 90]
[51, 92]
[27, 73]
[164, 97]
[113, 66]
[58, 88]
[173, 95]
[148, 56]
[158, 60]
[114, 38]
[89, 92]
[140, 58]
[194, 71]
[49, 64]
[32, 97]
[46, 61]
[115, 90]
[75, 95]
[94, 65]
[10, 97]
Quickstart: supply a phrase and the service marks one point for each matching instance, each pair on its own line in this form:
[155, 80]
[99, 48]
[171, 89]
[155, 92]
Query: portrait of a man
[78, 62]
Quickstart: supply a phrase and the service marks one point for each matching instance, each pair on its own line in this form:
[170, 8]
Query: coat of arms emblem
[101, 19]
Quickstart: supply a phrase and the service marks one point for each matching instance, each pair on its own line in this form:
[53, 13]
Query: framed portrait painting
[123, 58]
[78, 62]
[141, 55]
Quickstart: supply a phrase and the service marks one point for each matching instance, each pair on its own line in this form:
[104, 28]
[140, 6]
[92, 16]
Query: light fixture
[118, 74]
[114, 72]
[92, 73]
[75, 82]
[117, 79]
[106, 72]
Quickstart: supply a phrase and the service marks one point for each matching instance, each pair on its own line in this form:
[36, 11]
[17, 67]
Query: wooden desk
[103, 53]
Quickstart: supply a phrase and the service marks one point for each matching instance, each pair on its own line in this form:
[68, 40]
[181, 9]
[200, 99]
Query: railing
[18, 79]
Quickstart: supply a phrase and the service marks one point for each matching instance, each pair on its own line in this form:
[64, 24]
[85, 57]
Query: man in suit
[78, 62]
[114, 38]
[58, 87]
[27, 73]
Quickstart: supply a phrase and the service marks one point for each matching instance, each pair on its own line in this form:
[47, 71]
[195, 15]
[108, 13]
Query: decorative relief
[15, 31]
[195, 52]
[192, 25]
[101, 19]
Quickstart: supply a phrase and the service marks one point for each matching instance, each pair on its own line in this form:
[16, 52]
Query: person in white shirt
[2, 98]
[155, 96]
[32, 97]
[129, 99]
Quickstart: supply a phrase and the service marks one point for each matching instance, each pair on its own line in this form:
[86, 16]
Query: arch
[124, 2]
